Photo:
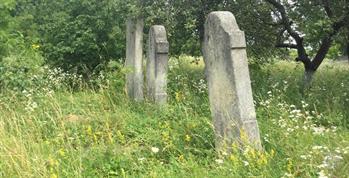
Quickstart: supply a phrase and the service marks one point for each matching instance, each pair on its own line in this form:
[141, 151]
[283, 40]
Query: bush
[81, 36]
[5, 7]
[23, 70]
[19, 65]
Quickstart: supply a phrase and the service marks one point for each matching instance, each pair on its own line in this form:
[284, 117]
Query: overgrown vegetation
[64, 113]
[97, 132]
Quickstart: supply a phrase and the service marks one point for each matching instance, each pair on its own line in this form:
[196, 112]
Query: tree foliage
[185, 20]
[78, 35]
[84, 35]
[5, 18]
[310, 26]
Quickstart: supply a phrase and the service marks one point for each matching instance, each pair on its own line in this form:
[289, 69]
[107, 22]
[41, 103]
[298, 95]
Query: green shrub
[22, 63]
[5, 18]
[81, 36]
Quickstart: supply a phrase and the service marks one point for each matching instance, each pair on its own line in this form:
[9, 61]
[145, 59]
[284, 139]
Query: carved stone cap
[160, 35]
[229, 25]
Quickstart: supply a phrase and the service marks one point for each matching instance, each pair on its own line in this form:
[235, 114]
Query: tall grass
[98, 132]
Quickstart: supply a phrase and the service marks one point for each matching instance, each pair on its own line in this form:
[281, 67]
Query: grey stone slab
[157, 65]
[134, 59]
[229, 84]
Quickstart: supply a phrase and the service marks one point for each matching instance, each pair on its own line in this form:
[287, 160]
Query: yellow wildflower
[235, 147]
[234, 159]
[179, 96]
[187, 138]
[262, 159]
[35, 46]
[181, 158]
[110, 137]
[89, 130]
[52, 162]
[243, 136]
[272, 153]
[289, 165]
[61, 152]
[120, 137]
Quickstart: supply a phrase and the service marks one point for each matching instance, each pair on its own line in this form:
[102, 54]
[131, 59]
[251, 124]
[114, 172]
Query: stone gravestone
[157, 65]
[229, 84]
[134, 59]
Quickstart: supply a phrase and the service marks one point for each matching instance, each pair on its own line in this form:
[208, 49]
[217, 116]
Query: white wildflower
[303, 156]
[322, 174]
[317, 147]
[155, 149]
[219, 161]
[288, 175]
[318, 130]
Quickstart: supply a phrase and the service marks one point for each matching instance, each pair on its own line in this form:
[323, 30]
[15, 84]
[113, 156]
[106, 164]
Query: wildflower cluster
[200, 86]
[246, 158]
[30, 105]
[295, 121]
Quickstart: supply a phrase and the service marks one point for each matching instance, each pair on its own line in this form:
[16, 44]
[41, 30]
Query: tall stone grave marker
[229, 84]
[134, 60]
[157, 65]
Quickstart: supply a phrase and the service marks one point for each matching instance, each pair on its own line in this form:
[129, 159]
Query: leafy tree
[79, 36]
[5, 18]
[83, 35]
[185, 20]
[311, 27]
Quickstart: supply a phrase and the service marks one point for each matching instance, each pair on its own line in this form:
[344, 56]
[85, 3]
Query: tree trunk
[347, 50]
[307, 79]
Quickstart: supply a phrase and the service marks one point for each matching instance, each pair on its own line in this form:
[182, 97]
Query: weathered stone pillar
[229, 84]
[134, 59]
[157, 65]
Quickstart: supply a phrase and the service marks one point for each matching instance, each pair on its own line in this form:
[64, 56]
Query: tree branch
[287, 23]
[286, 45]
[326, 5]
[280, 42]
[327, 41]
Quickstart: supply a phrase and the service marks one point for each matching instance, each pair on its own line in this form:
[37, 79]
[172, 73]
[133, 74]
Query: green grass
[100, 133]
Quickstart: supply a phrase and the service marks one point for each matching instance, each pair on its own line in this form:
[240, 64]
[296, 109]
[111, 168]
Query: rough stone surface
[229, 83]
[157, 65]
[134, 60]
